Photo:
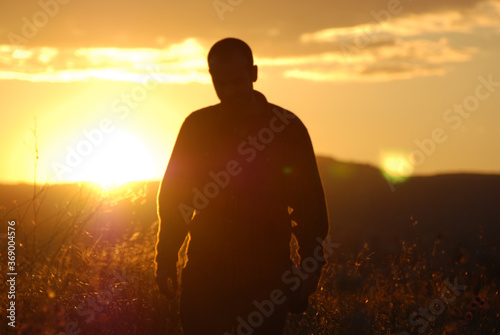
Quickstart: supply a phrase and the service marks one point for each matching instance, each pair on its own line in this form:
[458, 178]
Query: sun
[120, 158]
[395, 167]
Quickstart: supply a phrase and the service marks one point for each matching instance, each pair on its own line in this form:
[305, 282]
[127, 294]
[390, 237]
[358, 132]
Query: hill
[399, 245]
[460, 211]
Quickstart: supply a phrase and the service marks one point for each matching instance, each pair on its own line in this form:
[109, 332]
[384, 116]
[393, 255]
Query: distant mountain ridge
[457, 211]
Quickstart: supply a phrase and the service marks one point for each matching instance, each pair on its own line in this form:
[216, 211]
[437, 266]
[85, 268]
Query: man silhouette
[239, 173]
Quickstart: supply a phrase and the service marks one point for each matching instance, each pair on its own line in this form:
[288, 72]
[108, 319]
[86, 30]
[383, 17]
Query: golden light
[121, 158]
[396, 166]
[83, 152]
[183, 62]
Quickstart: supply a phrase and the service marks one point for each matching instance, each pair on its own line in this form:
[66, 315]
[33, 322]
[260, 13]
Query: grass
[84, 268]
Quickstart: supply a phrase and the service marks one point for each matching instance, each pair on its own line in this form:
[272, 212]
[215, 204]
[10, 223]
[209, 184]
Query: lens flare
[396, 167]
[119, 159]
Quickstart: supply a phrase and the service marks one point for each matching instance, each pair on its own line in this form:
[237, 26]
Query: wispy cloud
[410, 25]
[484, 15]
[383, 61]
[180, 63]
[402, 47]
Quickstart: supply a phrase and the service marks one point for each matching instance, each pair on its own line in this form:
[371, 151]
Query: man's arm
[309, 204]
[174, 190]
[309, 210]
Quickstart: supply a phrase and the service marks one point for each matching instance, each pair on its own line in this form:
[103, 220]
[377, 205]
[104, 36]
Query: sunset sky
[410, 86]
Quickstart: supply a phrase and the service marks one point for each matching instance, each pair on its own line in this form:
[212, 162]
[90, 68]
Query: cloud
[403, 46]
[484, 15]
[399, 47]
[387, 60]
[179, 63]
[377, 73]
[140, 24]
[410, 25]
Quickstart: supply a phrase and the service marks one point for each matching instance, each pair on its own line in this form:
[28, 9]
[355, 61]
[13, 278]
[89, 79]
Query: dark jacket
[242, 176]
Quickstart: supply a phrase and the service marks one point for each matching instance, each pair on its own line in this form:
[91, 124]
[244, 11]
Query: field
[84, 264]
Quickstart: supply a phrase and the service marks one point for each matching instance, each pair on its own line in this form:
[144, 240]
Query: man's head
[230, 63]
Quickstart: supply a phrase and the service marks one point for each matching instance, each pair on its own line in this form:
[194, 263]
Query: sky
[98, 90]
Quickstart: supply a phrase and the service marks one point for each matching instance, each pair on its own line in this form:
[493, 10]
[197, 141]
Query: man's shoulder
[203, 113]
[206, 110]
[285, 115]
[200, 118]
[278, 109]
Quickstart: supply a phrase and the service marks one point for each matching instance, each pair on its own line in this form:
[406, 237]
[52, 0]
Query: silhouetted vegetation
[91, 264]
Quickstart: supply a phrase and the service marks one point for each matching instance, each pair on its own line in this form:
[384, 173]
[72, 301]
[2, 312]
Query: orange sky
[413, 87]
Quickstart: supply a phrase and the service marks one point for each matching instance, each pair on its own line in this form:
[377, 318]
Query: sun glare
[120, 159]
[179, 63]
[395, 167]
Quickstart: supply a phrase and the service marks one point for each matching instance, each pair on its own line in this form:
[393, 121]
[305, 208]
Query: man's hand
[167, 283]
[307, 287]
